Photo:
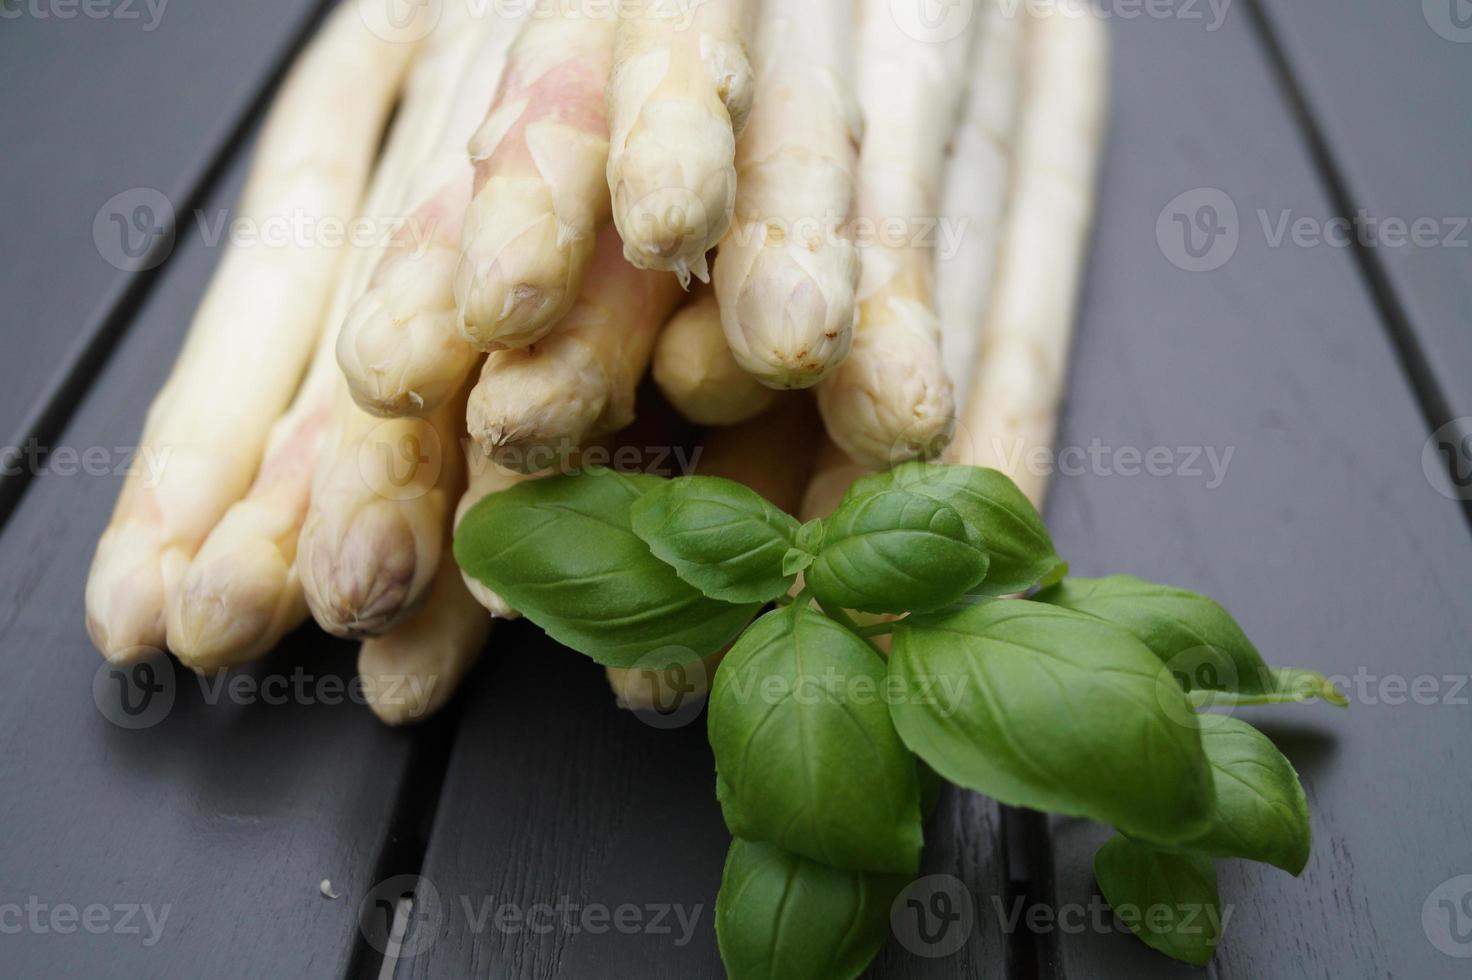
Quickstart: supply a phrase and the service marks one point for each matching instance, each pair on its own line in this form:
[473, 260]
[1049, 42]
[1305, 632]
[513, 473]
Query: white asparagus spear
[382, 497]
[401, 349]
[678, 98]
[772, 454]
[241, 594]
[252, 336]
[787, 272]
[540, 194]
[410, 672]
[695, 369]
[891, 399]
[974, 196]
[1022, 365]
[534, 405]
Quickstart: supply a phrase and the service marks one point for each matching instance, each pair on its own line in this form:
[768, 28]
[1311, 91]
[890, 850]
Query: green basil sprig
[563, 551]
[721, 537]
[892, 551]
[783, 916]
[1021, 550]
[1045, 712]
[1083, 700]
[1169, 900]
[805, 748]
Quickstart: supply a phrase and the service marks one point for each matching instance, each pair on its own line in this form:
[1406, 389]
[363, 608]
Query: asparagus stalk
[410, 672]
[1021, 370]
[678, 98]
[539, 194]
[401, 349]
[241, 594]
[382, 498]
[534, 405]
[252, 336]
[891, 400]
[974, 195]
[695, 369]
[786, 274]
[772, 454]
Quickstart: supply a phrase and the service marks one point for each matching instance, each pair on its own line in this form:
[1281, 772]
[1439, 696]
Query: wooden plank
[554, 795]
[1322, 535]
[222, 817]
[1397, 137]
[109, 107]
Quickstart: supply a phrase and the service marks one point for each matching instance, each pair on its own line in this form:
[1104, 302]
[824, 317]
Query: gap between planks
[1429, 395]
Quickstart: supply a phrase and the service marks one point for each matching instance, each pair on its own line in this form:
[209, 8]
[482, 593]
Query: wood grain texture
[227, 814]
[98, 106]
[1386, 84]
[1322, 536]
[555, 795]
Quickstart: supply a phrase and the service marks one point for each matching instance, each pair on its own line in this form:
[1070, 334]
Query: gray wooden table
[1311, 392]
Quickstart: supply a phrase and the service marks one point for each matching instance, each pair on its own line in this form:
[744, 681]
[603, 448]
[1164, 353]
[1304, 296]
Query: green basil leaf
[722, 537]
[563, 552]
[892, 552]
[1193, 636]
[1017, 540]
[1169, 900]
[1051, 709]
[806, 752]
[1262, 814]
[780, 916]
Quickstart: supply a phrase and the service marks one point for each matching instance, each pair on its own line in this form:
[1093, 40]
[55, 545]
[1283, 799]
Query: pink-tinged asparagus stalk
[401, 349]
[241, 594]
[695, 369]
[1021, 370]
[679, 97]
[787, 272]
[539, 194]
[772, 454]
[252, 336]
[534, 405]
[892, 400]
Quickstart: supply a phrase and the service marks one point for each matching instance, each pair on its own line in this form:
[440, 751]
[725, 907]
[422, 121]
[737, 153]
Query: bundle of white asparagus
[550, 185]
